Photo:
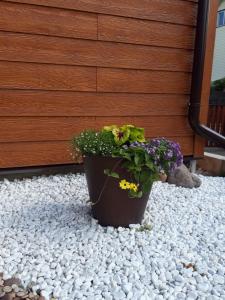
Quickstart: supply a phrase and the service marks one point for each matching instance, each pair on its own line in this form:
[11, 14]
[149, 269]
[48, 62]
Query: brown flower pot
[111, 205]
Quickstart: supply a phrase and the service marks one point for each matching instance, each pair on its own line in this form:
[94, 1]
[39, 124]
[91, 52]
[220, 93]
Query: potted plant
[120, 167]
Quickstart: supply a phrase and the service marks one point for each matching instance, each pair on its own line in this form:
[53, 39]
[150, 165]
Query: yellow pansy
[125, 185]
[133, 187]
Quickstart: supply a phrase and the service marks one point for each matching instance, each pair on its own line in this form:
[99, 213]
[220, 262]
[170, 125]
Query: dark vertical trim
[198, 75]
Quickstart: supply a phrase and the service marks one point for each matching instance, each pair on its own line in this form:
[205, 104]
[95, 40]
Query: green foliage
[125, 133]
[112, 174]
[218, 85]
[144, 227]
[143, 160]
[137, 134]
[141, 167]
[90, 142]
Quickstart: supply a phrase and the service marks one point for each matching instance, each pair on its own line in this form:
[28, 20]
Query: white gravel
[48, 238]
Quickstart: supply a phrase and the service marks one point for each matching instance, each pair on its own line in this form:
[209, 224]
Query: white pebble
[48, 236]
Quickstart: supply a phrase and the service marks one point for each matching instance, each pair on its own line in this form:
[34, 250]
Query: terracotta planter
[111, 204]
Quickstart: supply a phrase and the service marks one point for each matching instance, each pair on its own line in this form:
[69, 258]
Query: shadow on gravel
[47, 218]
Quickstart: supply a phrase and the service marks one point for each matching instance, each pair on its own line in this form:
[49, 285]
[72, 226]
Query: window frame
[218, 15]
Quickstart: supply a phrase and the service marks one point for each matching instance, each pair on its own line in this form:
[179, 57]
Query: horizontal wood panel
[55, 152]
[62, 128]
[43, 103]
[128, 30]
[68, 23]
[43, 76]
[44, 49]
[174, 11]
[49, 21]
[70, 65]
[34, 153]
[140, 81]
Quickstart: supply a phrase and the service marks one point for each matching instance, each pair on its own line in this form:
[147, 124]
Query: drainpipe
[197, 77]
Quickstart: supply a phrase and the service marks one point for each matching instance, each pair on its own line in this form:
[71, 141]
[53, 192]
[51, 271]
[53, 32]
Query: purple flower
[165, 154]
[137, 144]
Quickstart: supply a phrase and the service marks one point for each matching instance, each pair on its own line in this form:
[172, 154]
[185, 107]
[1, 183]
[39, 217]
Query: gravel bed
[50, 242]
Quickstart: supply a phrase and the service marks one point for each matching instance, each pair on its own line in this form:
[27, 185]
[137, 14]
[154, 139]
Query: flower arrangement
[144, 160]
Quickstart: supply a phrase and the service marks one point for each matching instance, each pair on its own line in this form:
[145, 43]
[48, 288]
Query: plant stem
[106, 181]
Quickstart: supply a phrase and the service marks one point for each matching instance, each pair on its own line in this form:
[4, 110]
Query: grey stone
[127, 287]
[7, 289]
[119, 294]
[221, 271]
[218, 279]
[179, 278]
[181, 296]
[197, 181]
[2, 294]
[181, 176]
[168, 276]
[212, 297]
[175, 273]
[203, 287]
[192, 295]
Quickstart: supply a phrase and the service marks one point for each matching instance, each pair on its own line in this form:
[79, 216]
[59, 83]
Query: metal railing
[216, 115]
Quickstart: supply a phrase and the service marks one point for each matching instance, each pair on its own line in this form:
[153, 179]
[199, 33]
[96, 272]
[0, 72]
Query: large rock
[183, 177]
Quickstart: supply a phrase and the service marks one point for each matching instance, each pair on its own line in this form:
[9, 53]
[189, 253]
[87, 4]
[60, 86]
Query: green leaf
[137, 134]
[126, 155]
[114, 174]
[136, 176]
[110, 173]
[133, 194]
[136, 159]
[106, 171]
[127, 164]
[144, 227]
[145, 174]
[146, 187]
[139, 158]
[148, 162]
[139, 194]
[150, 165]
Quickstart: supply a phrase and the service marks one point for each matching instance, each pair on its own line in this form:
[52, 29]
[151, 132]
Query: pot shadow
[47, 218]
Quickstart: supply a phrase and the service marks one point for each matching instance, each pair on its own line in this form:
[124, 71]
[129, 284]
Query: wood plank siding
[67, 65]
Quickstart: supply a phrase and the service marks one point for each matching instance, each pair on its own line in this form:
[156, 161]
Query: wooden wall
[66, 65]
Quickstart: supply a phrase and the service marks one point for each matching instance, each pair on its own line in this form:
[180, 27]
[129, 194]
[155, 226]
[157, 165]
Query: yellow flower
[110, 128]
[133, 187]
[125, 185]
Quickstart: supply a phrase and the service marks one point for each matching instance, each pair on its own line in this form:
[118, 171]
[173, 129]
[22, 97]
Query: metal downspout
[197, 77]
